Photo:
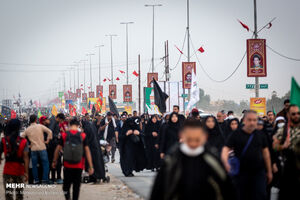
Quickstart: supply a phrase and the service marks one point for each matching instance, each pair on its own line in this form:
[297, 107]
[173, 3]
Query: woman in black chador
[132, 148]
[151, 140]
[93, 143]
[215, 139]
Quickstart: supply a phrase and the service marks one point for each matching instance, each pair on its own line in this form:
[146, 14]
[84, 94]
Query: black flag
[159, 97]
[113, 107]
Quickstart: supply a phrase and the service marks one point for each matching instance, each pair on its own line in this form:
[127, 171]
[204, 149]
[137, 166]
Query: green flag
[39, 114]
[295, 93]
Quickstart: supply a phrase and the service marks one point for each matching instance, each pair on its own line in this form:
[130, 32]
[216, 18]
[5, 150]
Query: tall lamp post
[126, 23]
[91, 81]
[83, 73]
[99, 47]
[153, 8]
[111, 57]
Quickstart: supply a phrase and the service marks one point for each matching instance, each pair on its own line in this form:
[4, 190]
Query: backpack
[73, 148]
[234, 161]
[11, 153]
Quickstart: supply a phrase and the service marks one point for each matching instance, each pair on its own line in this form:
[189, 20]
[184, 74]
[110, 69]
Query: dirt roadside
[115, 190]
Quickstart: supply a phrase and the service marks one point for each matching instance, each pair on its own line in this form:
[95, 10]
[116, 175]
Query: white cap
[279, 118]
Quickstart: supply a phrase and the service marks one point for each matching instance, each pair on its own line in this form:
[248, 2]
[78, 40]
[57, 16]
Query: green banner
[147, 96]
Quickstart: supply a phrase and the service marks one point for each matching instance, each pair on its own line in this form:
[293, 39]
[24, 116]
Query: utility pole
[77, 64]
[167, 69]
[64, 81]
[91, 81]
[153, 6]
[70, 79]
[99, 46]
[188, 47]
[83, 73]
[111, 57]
[139, 92]
[255, 36]
[188, 29]
[126, 23]
[74, 79]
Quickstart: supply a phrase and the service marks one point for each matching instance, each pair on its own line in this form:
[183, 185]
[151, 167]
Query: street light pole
[99, 46]
[91, 84]
[255, 36]
[74, 78]
[83, 74]
[153, 6]
[126, 23]
[111, 57]
[77, 64]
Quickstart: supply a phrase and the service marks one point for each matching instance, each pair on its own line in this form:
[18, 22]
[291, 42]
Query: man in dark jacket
[190, 171]
[284, 111]
[108, 132]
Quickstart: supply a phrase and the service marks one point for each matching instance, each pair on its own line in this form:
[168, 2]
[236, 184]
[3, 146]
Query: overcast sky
[39, 38]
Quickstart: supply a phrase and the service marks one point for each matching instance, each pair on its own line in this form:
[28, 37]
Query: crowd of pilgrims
[164, 144]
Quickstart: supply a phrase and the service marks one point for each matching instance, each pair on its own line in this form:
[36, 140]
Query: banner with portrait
[72, 96]
[113, 91]
[99, 89]
[127, 93]
[187, 70]
[84, 97]
[91, 94]
[259, 105]
[78, 93]
[256, 58]
[150, 77]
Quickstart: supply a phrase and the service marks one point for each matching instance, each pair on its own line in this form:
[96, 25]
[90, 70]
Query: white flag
[194, 98]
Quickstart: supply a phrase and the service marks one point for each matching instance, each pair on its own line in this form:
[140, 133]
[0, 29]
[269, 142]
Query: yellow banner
[96, 101]
[259, 105]
[128, 109]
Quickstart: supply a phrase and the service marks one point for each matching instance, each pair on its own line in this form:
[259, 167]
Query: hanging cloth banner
[127, 93]
[187, 69]
[256, 58]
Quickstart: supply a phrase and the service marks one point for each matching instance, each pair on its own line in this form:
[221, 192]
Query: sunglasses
[295, 113]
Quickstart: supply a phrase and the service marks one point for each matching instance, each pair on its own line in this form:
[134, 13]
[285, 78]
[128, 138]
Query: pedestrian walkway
[141, 183]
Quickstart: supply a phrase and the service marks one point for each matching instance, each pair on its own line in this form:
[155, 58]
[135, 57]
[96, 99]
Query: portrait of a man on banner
[113, 91]
[256, 58]
[187, 68]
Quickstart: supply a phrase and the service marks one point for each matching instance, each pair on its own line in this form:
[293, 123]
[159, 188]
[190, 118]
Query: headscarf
[229, 123]
[216, 129]
[172, 124]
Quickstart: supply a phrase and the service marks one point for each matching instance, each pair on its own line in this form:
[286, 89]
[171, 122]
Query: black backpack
[73, 148]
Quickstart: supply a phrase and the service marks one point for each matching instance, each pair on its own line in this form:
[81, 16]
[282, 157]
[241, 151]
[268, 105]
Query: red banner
[256, 58]
[113, 91]
[84, 97]
[127, 93]
[99, 89]
[78, 93]
[72, 96]
[66, 96]
[150, 77]
[187, 68]
[91, 94]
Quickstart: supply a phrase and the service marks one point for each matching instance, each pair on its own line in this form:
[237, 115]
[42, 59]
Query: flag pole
[139, 65]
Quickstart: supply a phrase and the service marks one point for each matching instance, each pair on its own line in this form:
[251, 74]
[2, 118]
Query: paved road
[141, 183]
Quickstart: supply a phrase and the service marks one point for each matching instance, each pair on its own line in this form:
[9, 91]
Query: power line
[62, 70]
[219, 81]
[180, 53]
[284, 56]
